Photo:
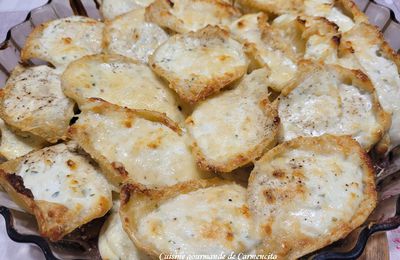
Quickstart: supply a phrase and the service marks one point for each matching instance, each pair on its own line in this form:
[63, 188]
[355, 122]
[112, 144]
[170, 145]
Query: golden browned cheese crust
[199, 64]
[46, 183]
[144, 217]
[309, 192]
[271, 6]
[183, 16]
[236, 126]
[64, 40]
[141, 145]
[340, 102]
[32, 101]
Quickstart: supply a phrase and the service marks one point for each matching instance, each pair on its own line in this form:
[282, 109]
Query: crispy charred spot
[361, 76]
[245, 211]
[267, 229]
[67, 40]
[301, 20]
[278, 174]
[71, 164]
[336, 39]
[128, 123]
[269, 196]
[277, 120]
[119, 167]
[171, 4]
[241, 24]
[17, 183]
[229, 236]
[126, 194]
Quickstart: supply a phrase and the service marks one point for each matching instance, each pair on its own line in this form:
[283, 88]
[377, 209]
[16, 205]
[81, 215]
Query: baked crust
[32, 101]
[137, 202]
[243, 121]
[111, 9]
[121, 81]
[55, 219]
[183, 16]
[130, 35]
[144, 152]
[355, 78]
[196, 66]
[290, 240]
[64, 40]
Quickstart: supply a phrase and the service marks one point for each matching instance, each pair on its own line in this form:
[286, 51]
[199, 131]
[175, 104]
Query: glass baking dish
[82, 243]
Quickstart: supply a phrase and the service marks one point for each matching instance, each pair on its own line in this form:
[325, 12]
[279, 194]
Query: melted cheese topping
[150, 152]
[187, 15]
[131, 36]
[385, 76]
[250, 28]
[68, 39]
[320, 48]
[33, 101]
[112, 8]
[195, 62]
[322, 104]
[305, 192]
[119, 81]
[14, 145]
[326, 8]
[207, 221]
[114, 243]
[58, 174]
[233, 123]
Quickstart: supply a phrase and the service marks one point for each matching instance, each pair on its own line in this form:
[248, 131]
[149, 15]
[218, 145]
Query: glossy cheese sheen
[14, 145]
[386, 78]
[323, 104]
[187, 15]
[113, 8]
[206, 221]
[33, 101]
[307, 193]
[250, 29]
[231, 125]
[198, 64]
[150, 152]
[119, 81]
[64, 40]
[326, 8]
[57, 175]
[326, 197]
[130, 35]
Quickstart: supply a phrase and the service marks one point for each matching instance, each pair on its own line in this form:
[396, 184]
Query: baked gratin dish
[202, 127]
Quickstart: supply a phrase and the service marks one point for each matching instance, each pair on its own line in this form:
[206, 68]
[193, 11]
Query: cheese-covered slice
[367, 50]
[331, 99]
[306, 193]
[114, 243]
[60, 186]
[119, 80]
[64, 40]
[141, 145]
[198, 64]
[271, 6]
[130, 35]
[14, 143]
[192, 218]
[344, 13]
[191, 15]
[234, 127]
[266, 48]
[110, 9]
[311, 37]
[33, 101]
